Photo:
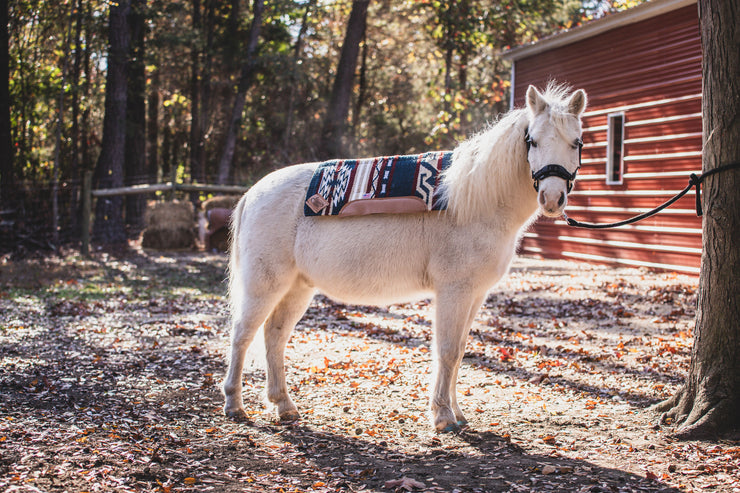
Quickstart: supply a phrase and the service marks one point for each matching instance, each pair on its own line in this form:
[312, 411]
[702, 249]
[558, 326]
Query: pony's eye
[532, 143]
[576, 144]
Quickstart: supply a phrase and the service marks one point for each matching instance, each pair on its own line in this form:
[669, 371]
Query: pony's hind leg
[251, 313]
[278, 328]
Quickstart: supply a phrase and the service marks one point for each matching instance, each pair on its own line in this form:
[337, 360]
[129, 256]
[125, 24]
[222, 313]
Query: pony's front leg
[459, 416]
[452, 325]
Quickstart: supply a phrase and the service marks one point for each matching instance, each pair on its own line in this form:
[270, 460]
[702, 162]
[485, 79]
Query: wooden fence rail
[88, 193]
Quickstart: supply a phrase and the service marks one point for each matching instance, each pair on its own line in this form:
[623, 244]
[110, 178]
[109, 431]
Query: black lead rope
[694, 181]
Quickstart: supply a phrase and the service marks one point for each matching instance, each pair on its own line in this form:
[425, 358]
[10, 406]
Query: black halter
[553, 169]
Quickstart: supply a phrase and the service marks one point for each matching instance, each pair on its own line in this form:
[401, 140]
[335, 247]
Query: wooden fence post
[86, 212]
[174, 182]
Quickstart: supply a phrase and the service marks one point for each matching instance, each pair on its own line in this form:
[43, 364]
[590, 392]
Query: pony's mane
[489, 167]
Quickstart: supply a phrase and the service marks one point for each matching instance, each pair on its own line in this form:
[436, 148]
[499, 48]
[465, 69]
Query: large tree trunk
[336, 115]
[709, 403]
[109, 227]
[7, 177]
[245, 81]
[135, 167]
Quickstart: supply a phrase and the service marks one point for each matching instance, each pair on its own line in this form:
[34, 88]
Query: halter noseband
[553, 169]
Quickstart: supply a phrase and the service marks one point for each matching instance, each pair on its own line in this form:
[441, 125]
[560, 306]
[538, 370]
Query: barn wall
[651, 71]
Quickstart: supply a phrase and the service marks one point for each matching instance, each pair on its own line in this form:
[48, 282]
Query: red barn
[642, 133]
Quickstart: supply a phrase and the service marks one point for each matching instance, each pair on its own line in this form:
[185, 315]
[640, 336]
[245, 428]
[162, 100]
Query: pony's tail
[235, 281]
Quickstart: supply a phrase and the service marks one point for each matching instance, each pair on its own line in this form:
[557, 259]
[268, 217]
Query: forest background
[224, 91]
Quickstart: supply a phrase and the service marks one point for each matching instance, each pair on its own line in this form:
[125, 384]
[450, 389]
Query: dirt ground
[110, 372]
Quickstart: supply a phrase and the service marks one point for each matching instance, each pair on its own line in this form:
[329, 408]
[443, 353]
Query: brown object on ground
[218, 212]
[169, 226]
[221, 202]
[218, 235]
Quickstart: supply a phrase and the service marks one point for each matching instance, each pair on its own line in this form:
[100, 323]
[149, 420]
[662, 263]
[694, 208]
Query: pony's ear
[577, 102]
[535, 102]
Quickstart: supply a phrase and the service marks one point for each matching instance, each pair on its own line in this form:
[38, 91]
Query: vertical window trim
[611, 166]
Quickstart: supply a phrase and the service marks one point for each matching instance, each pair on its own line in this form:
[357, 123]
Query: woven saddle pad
[381, 185]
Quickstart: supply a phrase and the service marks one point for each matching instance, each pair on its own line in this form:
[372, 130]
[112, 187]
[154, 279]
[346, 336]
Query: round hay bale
[169, 226]
[177, 213]
[221, 202]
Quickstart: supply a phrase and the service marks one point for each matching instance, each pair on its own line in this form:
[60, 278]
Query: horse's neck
[490, 176]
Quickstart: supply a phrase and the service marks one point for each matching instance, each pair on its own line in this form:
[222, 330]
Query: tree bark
[109, 228]
[287, 133]
[152, 128]
[361, 91]
[448, 80]
[7, 173]
[335, 122]
[197, 168]
[205, 91]
[232, 38]
[167, 139]
[707, 405]
[245, 81]
[135, 155]
[74, 165]
[58, 137]
[86, 155]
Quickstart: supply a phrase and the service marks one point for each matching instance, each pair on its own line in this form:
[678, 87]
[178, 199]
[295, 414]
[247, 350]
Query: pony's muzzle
[552, 199]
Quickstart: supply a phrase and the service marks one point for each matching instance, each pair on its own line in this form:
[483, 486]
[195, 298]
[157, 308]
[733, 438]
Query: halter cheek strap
[553, 169]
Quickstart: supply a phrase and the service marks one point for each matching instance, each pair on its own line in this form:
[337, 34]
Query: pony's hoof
[289, 417]
[462, 423]
[238, 415]
[450, 428]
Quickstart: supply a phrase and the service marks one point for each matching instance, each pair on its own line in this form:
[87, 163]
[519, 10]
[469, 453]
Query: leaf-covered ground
[110, 370]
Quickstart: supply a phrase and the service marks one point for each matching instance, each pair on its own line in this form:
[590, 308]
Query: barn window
[615, 149]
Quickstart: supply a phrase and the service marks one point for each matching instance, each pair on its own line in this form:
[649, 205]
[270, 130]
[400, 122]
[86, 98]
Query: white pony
[280, 258]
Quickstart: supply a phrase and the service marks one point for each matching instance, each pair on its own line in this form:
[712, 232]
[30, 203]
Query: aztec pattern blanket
[396, 184]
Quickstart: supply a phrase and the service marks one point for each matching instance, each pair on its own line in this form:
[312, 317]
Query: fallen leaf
[405, 483]
[549, 469]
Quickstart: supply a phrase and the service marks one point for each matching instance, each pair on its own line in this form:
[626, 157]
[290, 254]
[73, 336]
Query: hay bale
[221, 202]
[169, 226]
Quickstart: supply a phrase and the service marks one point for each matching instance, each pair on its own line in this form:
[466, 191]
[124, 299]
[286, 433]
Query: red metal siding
[650, 71]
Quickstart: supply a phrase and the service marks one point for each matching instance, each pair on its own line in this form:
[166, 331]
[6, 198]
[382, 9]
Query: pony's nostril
[561, 200]
[542, 199]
